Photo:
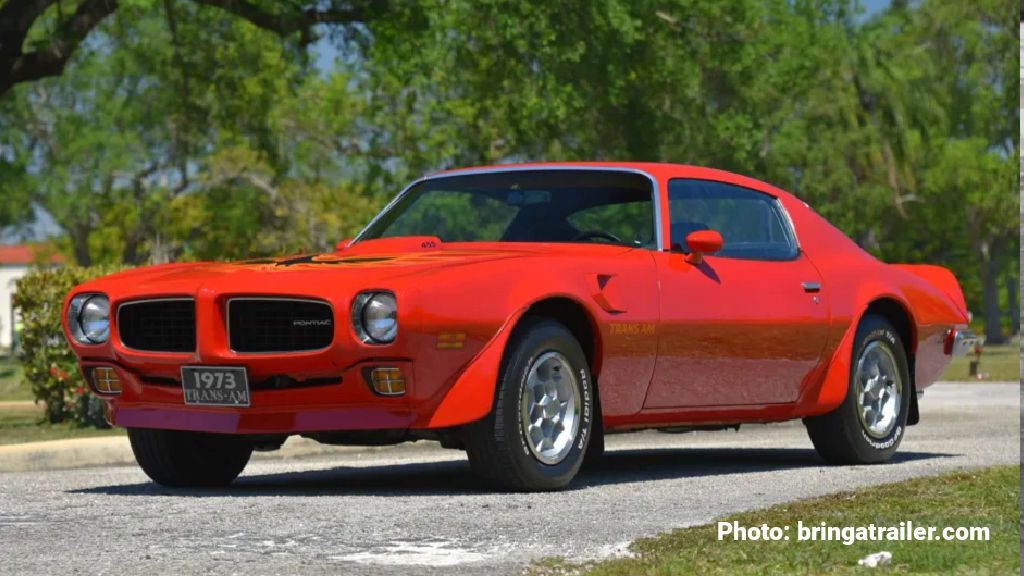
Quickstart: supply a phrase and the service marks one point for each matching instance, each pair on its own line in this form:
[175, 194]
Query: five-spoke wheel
[879, 390]
[550, 412]
[536, 436]
[869, 424]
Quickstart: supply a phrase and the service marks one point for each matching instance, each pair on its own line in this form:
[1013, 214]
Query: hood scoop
[393, 245]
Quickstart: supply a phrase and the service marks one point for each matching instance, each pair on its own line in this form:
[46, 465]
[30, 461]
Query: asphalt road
[416, 509]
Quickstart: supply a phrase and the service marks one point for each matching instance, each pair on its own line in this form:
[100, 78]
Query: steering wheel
[588, 234]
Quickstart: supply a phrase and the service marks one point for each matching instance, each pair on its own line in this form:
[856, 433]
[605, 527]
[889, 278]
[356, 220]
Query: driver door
[746, 326]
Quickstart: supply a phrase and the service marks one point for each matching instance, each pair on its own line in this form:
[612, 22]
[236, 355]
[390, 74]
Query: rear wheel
[869, 425]
[189, 459]
[536, 436]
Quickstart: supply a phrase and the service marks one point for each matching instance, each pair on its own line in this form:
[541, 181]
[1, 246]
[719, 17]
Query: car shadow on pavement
[454, 477]
[666, 463]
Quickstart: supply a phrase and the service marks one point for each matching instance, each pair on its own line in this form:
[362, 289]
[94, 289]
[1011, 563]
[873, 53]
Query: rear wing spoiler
[940, 278]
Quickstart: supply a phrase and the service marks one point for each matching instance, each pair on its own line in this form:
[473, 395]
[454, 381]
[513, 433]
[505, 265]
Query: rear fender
[940, 278]
[832, 391]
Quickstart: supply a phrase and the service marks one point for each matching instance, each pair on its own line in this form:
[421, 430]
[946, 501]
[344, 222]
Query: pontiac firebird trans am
[521, 313]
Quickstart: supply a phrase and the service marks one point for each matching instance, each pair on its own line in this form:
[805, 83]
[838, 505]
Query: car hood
[364, 265]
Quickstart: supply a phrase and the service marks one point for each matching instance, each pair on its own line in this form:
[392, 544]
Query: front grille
[279, 325]
[158, 325]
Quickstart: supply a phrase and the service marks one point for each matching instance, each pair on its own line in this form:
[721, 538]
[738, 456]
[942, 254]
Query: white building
[15, 260]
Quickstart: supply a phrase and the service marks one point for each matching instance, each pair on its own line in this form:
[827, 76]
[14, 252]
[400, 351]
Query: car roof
[658, 170]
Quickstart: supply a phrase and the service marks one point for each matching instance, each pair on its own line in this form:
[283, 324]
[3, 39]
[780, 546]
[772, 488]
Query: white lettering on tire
[886, 444]
[586, 409]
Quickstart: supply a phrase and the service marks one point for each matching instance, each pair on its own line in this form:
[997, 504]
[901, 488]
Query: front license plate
[215, 385]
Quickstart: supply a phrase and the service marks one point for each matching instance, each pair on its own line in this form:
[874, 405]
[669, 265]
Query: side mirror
[340, 246]
[702, 242]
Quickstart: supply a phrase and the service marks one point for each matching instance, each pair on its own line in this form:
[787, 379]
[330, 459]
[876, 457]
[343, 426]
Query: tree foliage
[189, 129]
[39, 37]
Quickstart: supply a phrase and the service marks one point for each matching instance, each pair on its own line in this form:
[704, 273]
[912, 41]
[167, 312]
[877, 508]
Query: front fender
[471, 397]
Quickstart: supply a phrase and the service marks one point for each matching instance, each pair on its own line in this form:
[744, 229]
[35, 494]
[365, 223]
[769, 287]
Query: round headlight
[379, 317]
[96, 319]
[89, 318]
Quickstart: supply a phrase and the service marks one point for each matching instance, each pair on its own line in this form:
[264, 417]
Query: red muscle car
[521, 313]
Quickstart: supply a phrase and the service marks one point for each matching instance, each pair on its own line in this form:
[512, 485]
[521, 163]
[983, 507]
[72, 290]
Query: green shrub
[49, 363]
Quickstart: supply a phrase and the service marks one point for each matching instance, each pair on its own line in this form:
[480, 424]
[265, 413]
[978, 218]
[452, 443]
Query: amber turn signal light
[106, 380]
[387, 381]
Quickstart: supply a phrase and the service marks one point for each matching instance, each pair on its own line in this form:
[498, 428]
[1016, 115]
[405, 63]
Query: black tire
[840, 437]
[497, 447]
[189, 459]
[595, 449]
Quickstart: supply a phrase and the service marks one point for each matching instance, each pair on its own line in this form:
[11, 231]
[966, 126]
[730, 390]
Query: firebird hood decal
[412, 258]
[318, 259]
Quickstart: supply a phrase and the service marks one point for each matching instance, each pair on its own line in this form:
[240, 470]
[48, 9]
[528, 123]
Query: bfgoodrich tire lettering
[189, 459]
[846, 435]
[499, 444]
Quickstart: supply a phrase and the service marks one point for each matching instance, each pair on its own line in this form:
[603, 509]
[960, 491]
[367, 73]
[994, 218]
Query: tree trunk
[1013, 303]
[80, 245]
[132, 255]
[990, 295]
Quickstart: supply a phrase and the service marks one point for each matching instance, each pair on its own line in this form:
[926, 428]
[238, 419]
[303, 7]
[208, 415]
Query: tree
[39, 37]
[200, 129]
[973, 170]
[116, 141]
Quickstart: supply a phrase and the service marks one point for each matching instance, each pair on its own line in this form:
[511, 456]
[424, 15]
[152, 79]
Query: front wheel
[869, 425]
[536, 436]
[189, 459]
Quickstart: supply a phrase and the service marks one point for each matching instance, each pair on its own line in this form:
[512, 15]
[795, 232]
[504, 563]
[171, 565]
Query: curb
[20, 405]
[115, 451]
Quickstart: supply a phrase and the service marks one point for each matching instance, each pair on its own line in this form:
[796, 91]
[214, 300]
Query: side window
[751, 223]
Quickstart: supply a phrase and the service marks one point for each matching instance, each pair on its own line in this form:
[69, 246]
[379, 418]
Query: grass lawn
[21, 424]
[988, 497]
[997, 363]
[11, 386]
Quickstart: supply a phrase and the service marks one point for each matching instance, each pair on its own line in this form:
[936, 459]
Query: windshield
[597, 206]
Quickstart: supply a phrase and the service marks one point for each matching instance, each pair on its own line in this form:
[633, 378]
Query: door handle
[811, 287]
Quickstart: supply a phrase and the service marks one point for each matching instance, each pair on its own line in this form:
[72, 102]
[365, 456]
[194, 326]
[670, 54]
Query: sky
[874, 6]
